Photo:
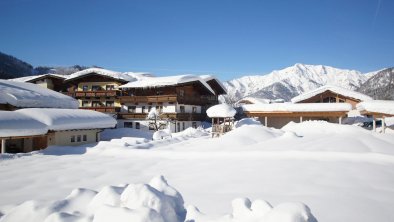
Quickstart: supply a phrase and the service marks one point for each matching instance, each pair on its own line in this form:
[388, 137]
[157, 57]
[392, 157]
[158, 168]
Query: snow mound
[249, 134]
[221, 110]
[153, 202]
[247, 121]
[246, 211]
[192, 132]
[322, 127]
[161, 134]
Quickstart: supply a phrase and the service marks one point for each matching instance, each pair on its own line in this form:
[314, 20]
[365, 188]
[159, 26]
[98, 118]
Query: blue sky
[223, 37]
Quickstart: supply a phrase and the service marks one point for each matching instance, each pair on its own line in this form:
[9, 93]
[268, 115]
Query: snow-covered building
[181, 100]
[50, 81]
[25, 130]
[16, 95]
[377, 109]
[331, 94]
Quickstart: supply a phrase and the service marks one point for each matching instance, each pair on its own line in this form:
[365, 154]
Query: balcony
[100, 93]
[171, 116]
[189, 100]
[103, 109]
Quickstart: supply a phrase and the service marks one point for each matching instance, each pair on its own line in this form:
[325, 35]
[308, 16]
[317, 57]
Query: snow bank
[221, 110]
[153, 202]
[67, 119]
[247, 121]
[192, 132]
[246, 211]
[322, 127]
[26, 95]
[298, 107]
[161, 134]
[377, 106]
[150, 82]
[102, 72]
[18, 124]
[334, 89]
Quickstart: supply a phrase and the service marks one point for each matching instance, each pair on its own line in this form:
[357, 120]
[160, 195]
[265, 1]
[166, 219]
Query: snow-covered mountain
[292, 81]
[380, 85]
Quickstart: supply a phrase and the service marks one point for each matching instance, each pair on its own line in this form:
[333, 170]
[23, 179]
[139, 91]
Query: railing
[221, 129]
[189, 100]
[100, 93]
[171, 116]
[103, 109]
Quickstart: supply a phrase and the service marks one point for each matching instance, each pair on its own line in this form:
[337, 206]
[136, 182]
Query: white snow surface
[341, 172]
[28, 95]
[334, 89]
[166, 81]
[30, 78]
[221, 110]
[103, 72]
[297, 107]
[378, 106]
[69, 119]
[18, 124]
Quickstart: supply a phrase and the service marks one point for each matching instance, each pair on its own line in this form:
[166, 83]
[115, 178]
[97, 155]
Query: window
[85, 138]
[128, 124]
[194, 125]
[79, 138]
[109, 87]
[159, 108]
[96, 104]
[179, 127]
[149, 108]
[110, 103]
[85, 103]
[73, 139]
[85, 88]
[131, 109]
[96, 88]
[182, 109]
[143, 109]
[181, 92]
[137, 125]
[183, 126]
[329, 100]
[194, 109]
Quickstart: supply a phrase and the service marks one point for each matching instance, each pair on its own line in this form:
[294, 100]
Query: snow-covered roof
[70, 119]
[32, 78]
[334, 89]
[14, 124]
[221, 111]
[377, 106]
[254, 100]
[166, 81]
[102, 72]
[28, 95]
[207, 78]
[298, 107]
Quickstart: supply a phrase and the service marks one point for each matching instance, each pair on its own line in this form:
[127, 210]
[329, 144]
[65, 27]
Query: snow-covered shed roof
[334, 89]
[377, 106]
[33, 78]
[102, 72]
[298, 107]
[28, 95]
[166, 81]
[221, 111]
[13, 124]
[208, 78]
[70, 119]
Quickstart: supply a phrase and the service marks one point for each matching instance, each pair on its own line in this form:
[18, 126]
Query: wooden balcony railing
[189, 100]
[171, 116]
[101, 93]
[103, 109]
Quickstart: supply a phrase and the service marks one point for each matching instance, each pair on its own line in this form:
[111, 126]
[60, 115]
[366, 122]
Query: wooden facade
[331, 97]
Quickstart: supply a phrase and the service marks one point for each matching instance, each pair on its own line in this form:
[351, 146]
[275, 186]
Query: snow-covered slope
[292, 81]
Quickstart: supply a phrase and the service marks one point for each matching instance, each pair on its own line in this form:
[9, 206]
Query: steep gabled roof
[219, 85]
[29, 95]
[37, 77]
[152, 82]
[102, 72]
[334, 89]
